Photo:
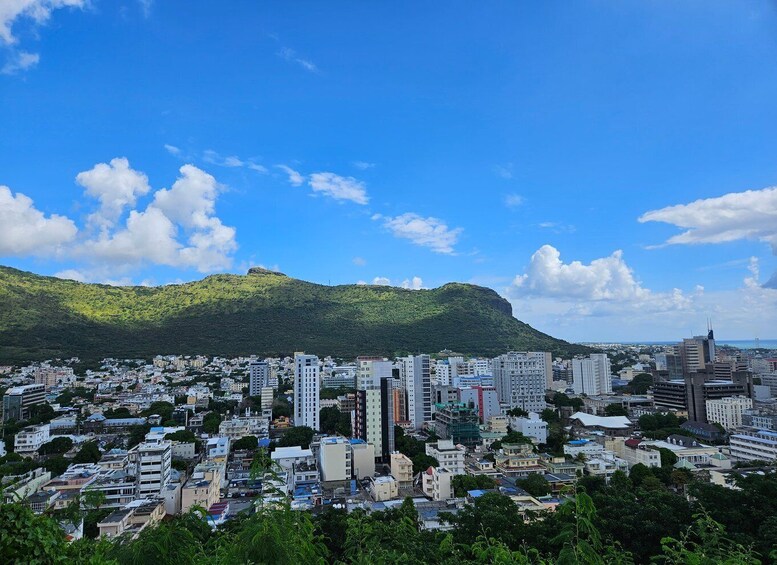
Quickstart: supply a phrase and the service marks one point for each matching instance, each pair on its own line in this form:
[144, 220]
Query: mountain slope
[262, 313]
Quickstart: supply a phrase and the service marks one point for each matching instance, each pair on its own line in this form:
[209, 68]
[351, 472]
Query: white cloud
[416, 283]
[427, 232]
[145, 7]
[25, 230]
[604, 280]
[339, 188]
[504, 171]
[513, 200]
[172, 149]
[19, 61]
[557, 227]
[233, 161]
[256, 167]
[71, 274]
[360, 261]
[735, 216]
[363, 165]
[295, 178]
[116, 186]
[152, 235]
[291, 56]
[39, 11]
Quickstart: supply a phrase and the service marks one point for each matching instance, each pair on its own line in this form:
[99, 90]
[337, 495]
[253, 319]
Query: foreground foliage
[618, 524]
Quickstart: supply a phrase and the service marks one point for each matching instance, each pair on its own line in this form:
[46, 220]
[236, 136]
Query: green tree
[518, 413]
[183, 436]
[27, 538]
[247, 442]
[299, 435]
[640, 383]
[464, 483]
[668, 457]
[535, 484]
[89, 453]
[160, 408]
[615, 410]
[56, 446]
[332, 421]
[210, 423]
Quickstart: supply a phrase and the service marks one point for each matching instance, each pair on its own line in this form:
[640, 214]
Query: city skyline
[613, 186]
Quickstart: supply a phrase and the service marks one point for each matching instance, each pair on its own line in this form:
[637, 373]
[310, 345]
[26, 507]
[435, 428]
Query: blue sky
[535, 148]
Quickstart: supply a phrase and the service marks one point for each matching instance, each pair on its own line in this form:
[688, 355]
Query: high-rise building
[18, 400]
[522, 378]
[259, 377]
[373, 417]
[697, 353]
[592, 375]
[306, 390]
[416, 382]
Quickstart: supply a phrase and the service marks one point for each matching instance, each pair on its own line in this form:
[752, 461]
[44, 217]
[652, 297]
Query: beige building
[402, 469]
[133, 518]
[384, 488]
[437, 483]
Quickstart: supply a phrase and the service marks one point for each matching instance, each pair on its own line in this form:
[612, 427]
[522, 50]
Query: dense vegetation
[645, 518]
[261, 313]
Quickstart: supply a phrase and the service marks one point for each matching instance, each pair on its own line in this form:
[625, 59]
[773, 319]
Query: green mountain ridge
[263, 313]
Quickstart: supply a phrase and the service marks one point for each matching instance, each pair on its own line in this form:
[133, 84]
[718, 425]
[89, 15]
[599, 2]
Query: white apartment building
[416, 382]
[749, 444]
[29, 440]
[306, 390]
[533, 427]
[449, 456]
[258, 377]
[592, 375]
[728, 411]
[442, 373]
[522, 378]
[153, 462]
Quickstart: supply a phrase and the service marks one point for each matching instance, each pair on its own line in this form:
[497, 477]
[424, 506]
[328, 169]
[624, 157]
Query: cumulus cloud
[416, 283]
[383, 281]
[363, 165]
[172, 149]
[513, 200]
[116, 186]
[178, 228]
[604, 280]
[39, 11]
[25, 230]
[427, 232]
[339, 188]
[360, 261]
[72, 275]
[295, 178]
[19, 61]
[738, 215]
[504, 171]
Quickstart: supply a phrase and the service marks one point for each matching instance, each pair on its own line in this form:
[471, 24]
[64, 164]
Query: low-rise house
[583, 423]
[29, 440]
[133, 518]
[518, 460]
[383, 488]
[402, 470]
[436, 483]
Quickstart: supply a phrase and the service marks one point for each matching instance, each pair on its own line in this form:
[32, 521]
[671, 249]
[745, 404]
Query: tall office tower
[522, 378]
[374, 411]
[259, 377]
[306, 390]
[416, 382]
[697, 353]
[592, 376]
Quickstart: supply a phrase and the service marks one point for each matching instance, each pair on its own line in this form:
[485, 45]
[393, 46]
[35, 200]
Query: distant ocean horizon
[738, 343]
